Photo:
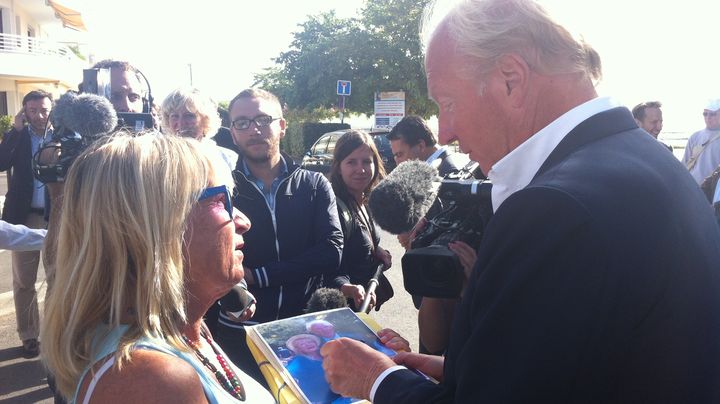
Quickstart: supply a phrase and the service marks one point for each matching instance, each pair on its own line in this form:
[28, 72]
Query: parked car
[320, 156]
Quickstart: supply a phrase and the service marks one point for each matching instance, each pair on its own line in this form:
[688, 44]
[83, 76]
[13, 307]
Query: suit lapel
[594, 128]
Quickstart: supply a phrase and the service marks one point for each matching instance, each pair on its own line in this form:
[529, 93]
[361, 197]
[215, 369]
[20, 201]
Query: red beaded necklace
[229, 381]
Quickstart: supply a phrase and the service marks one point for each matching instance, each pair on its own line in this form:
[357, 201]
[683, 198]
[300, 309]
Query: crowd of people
[596, 280]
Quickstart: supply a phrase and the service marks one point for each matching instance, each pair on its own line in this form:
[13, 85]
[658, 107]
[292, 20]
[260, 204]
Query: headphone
[147, 101]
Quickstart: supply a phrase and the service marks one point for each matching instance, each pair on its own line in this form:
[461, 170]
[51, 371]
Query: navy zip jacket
[290, 250]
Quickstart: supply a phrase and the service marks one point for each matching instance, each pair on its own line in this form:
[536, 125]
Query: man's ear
[515, 72]
[283, 127]
[421, 145]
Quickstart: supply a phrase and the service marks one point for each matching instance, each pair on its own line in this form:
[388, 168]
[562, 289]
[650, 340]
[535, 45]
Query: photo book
[291, 349]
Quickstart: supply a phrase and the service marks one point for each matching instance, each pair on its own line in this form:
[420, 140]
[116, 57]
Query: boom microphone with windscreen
[77, 120]
[404, 196]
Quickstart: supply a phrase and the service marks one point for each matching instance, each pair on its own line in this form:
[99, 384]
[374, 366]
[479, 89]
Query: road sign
[389, 109]
[343, 87]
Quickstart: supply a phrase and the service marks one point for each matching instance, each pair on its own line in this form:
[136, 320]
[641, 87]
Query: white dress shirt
[515, 171]
[20, 238]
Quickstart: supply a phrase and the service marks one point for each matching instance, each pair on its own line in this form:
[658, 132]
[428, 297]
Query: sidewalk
[21, 380]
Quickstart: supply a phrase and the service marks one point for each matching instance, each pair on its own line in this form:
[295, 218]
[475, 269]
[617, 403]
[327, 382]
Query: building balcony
[30, 60]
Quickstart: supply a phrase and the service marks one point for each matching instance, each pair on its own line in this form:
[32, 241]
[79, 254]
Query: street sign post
[343, 90]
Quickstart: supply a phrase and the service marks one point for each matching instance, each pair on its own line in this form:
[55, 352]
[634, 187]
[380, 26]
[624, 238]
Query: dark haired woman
[356, 169]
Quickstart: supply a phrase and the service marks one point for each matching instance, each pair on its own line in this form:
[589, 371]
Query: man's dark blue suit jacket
[598, 282]
[16, 153]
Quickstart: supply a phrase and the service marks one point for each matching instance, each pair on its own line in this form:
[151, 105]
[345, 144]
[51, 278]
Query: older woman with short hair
[148, 241]
[188, 112]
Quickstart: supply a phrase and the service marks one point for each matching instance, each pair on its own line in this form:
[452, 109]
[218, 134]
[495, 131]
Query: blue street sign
[343, 87]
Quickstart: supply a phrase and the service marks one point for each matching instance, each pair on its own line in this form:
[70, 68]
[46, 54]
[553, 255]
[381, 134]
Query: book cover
[292, 347]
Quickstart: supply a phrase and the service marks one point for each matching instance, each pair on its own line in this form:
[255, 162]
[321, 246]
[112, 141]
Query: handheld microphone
[237, 300]
[404, 196]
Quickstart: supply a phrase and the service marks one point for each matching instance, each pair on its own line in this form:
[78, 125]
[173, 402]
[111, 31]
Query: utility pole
[190, 71]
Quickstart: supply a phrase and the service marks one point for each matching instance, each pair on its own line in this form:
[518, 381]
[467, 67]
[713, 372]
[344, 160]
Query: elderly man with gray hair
[597, 277]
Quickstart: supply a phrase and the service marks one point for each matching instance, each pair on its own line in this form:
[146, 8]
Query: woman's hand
[431, 365]
[393, 340]
[355, 292]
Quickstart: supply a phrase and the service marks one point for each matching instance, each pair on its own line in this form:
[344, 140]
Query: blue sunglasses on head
[220, 189]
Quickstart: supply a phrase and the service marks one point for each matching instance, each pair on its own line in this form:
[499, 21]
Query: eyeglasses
[260, 121]
[710, 114]
[212, 191]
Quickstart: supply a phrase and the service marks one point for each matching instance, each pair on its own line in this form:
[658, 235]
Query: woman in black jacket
[356, 169]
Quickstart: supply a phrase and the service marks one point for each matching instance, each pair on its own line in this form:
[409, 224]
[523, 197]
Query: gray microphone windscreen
[89, 115]
[404, 196]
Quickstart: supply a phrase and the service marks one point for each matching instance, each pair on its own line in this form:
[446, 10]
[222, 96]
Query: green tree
[379, 51]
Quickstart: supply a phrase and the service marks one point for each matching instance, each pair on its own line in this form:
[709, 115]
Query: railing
[26, 45]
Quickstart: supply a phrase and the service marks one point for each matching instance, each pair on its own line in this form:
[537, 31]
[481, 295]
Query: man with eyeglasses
[702, 152]
[295, 238]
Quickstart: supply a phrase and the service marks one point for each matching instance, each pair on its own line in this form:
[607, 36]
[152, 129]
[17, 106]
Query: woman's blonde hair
[195, 102]
[120, 247]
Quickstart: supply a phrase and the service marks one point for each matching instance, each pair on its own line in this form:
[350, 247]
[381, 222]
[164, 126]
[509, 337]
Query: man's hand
[19, 120]
[431, 365]
[355, 292]
[384, 256]
[351, 367]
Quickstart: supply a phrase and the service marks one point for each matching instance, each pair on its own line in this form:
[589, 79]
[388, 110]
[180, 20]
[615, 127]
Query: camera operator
[412, 139]
[126, 89]
[596, 280]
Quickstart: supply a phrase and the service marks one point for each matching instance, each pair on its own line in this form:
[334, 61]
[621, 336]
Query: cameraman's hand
[466, 254]
[404, 240]
[419, 227]
[355, 292]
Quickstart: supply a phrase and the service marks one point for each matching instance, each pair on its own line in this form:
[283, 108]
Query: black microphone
[326, 299]
[237, 300]
[404, 196]
[88, 115]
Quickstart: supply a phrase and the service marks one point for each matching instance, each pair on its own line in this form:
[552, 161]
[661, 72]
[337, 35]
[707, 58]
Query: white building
[32, 54]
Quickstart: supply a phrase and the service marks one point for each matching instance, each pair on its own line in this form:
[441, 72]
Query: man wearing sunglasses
[295, 238]
[702, 153]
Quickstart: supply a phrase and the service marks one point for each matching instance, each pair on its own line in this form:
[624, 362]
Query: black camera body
[429, 267]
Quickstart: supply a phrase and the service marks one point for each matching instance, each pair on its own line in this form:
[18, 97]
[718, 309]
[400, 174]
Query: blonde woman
[148, 241]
